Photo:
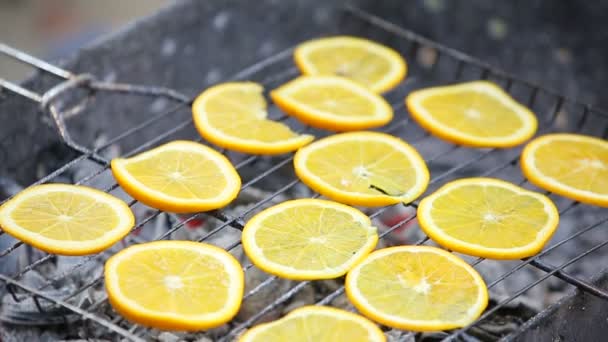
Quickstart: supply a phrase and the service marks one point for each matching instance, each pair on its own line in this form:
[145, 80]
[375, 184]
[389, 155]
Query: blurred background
[562, 43]
[56, 28]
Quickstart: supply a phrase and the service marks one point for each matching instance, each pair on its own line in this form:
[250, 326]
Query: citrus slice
[332, 103]
[417, 288]
[488, 218]
[370, 64]
[476, 114]
[363, 168]
[571, 165]
[181, 176]
[66, 219]
[175, 285]
[308, 239]
[316, 323]
[234, 116]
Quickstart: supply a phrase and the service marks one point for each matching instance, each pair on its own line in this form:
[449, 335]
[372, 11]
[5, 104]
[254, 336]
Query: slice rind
[488, 218]
[180, 176]
[175, 285]
[417, 288]
[316, 323]
[66, 219]
[308, 239]
[368, 63]
[476, 114]
[332, 103]
[572, 165]
[363, 168]
[234, 116]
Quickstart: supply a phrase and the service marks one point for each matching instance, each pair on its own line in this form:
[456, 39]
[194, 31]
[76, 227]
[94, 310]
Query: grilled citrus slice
[488, 218]
[180, 176]
[417, 288]
[476, 114]
[363, 168]
[574, 166]
[66, 219]
[332, 103]
[234, 116]
[308, 239]
[175, 285]
[316, 323]
[370, 64]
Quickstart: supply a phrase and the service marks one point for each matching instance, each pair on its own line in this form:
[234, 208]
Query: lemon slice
[476, 114]
[66, 219]
[363, 168]
[488, 218]
[181, 176]
[234, 116]
[368, 63]
[574, 166]
[318, 324]
[417, 288]
[308, 239]
[175, 285]
[332, 103]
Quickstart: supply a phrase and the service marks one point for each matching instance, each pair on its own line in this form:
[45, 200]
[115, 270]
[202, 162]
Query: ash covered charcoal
[26, 311]
[399, 224]
[18, 258]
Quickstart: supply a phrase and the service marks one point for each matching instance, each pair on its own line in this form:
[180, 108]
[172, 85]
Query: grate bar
[526, 288]
[340, 290]
[585, 286]
[20, 90]
[33, 61]
[84, 314]
[237, 222]
[457, 55]
[283, 298]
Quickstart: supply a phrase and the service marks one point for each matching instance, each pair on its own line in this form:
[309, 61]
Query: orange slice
[175, 285]
[476, 114]
[234, 116]
[66, 219]
[308, 239]
[417, 288]
[181, 176]
[363, 168]
[370, 64]
[572, 165]
[332, 103]
[316, 323]
[488, 218]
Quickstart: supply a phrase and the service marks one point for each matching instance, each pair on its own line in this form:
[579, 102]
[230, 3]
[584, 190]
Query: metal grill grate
[430, 64]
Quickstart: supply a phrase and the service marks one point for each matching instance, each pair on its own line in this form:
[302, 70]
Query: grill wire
[448, 65]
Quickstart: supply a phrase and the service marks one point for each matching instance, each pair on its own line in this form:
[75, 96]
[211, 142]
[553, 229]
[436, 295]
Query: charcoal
[303, 298]
[269, 293]
[168, 337]
[395, 335]
[215, 32]
[26, 312]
